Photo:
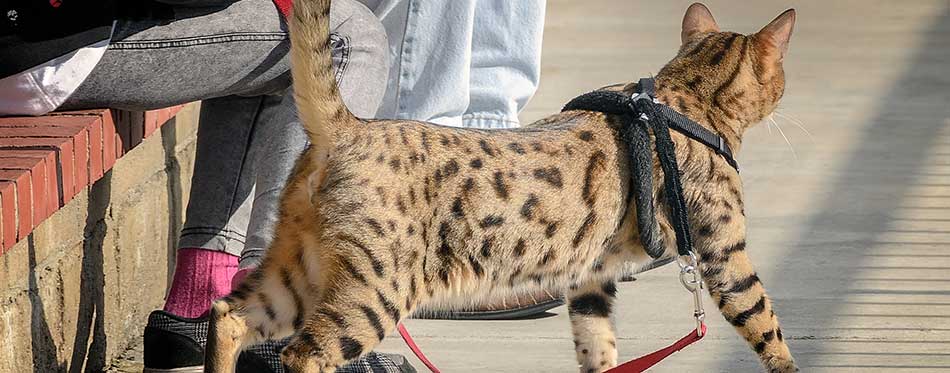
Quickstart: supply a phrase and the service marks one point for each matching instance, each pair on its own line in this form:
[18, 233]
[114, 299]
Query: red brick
[53, 183]
[96, 162]
[151, 121]
[157, 118]
[119, 122]
[24, 200]
[76, 165]
[8, 227]
[91, 122]
[47, 121]
[26, 153]
[7, 132]
[109, 140]
[81, 159]
[64, 149]
[19, 163]
[60, 125]
[42, 199]
[28, 121]
[77, 127]
[48, 157]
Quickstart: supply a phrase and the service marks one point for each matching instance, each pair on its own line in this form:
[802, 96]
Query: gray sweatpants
[233, 55]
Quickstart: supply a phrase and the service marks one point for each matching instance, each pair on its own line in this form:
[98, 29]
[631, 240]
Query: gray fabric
[370, 363]
[194, 329]
[235, 58]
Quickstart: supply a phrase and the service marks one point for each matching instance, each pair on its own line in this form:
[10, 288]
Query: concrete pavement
[850, 231]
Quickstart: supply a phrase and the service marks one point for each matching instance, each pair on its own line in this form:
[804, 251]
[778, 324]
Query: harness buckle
[644, 96]
[639, 96]
[693, 282]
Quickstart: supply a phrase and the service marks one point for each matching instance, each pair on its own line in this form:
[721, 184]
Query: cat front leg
[594, 340]
[353, 316]
[227, 331]
[741, 298]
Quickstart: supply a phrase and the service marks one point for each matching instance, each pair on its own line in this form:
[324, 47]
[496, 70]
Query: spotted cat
[382, 217]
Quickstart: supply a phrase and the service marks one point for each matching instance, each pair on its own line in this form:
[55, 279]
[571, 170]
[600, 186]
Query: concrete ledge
[76, 291]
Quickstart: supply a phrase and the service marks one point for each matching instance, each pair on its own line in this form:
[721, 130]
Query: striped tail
[318, 100]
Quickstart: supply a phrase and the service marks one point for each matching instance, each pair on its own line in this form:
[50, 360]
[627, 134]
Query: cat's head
[730, 79]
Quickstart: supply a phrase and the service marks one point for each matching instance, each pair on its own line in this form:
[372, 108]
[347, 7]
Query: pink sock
[201, 276]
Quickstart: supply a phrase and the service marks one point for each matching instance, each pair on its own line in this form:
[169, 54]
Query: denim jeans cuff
[211, 241]
[251, 258]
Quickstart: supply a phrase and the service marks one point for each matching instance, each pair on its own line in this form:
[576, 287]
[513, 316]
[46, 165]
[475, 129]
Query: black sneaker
[175, 344]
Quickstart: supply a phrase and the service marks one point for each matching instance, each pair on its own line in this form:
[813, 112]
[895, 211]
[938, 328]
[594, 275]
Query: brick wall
[76, 291]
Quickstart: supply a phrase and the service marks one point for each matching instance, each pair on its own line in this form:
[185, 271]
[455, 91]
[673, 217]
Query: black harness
[640, 114]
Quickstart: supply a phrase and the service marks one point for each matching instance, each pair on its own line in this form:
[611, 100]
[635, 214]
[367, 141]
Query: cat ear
[698, 20]
[774, 36]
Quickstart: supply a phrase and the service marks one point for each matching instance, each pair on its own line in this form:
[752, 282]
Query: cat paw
[302, 357]
[597, 360]
[780, 365]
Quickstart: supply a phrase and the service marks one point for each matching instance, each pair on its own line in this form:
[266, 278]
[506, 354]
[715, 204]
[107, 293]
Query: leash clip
[693, 282]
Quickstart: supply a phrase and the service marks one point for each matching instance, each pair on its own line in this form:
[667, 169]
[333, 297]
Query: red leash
[415, 348]
[689, 277]
[633, 366]
[643, 363]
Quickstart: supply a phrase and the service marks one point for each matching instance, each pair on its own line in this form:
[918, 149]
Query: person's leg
[183, 54]
[489, 54]
[173, 56]
[505, 61]
[158, 62]
[215, 228]
[235, 59]
[421, 32]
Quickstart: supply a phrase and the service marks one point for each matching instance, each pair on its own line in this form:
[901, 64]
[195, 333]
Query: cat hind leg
[589, 307]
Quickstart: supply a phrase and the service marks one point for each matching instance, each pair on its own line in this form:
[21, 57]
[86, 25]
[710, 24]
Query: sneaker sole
[533, 310]
[197, 369]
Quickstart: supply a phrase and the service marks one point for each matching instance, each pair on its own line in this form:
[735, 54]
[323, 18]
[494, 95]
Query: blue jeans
[471, 63]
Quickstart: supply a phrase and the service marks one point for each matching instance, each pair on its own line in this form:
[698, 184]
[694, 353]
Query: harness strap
[696, 132]
[666, 154]
[611, 102]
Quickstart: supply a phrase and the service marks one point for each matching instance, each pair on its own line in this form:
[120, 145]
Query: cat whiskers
[779, 128]
[797, 123]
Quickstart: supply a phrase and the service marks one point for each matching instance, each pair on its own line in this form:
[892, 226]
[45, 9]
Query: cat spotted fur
[382, 217]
